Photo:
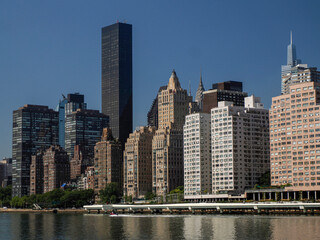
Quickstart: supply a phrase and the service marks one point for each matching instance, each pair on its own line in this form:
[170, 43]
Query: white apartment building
[197, 154]
[240, 145]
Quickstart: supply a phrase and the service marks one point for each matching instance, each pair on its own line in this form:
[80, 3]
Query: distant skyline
[53, 48]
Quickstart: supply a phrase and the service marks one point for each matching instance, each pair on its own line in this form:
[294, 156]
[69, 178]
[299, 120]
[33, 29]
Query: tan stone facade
[295, 138]
[56, 168]
[90, 174]
[138, 163]
[36, 173]
[75, 163]
[167, 144]
[108, 162]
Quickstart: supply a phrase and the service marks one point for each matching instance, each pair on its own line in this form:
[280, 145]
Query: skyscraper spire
[291, 60]
[199, 95]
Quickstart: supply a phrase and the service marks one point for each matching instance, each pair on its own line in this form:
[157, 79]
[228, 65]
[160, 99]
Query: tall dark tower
[116, 78]
[34, 128]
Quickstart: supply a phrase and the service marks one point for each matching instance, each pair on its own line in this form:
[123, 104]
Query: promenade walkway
[216, 207]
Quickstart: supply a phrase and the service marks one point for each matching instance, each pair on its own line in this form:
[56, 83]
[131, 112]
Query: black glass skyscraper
[34, 127]
[116, 82]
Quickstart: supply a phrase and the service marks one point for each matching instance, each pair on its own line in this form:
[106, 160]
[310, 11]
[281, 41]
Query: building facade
[153, 112]
[240, 145]
[137, 164]
[66, 106]
[36, 173]
[34, 127]
[295, 138]
[84, 128]
[108, 161]
[298, 74]
[197, 154]
[167, 143]
[230, 91]
[90, 175]
[116, 82]
[6, 172]
[77, 163]
[56, 168]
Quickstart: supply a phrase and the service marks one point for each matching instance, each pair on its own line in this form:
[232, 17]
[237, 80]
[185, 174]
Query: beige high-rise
[56, 168]
[138, 163]
[167, 144]
[295, 137]
[108, 162]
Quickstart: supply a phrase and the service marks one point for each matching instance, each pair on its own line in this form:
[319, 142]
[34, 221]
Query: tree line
[69, 198]
[58, 198]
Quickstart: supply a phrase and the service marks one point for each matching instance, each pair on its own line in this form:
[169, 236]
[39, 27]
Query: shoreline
[167, 212]
[30, 210]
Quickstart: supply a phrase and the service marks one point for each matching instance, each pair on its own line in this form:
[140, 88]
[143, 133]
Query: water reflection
[98, 226]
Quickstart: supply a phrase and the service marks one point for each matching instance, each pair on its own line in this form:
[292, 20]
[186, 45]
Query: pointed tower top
[291, 54]
[200, 91]
[200, 83]
[174, 81]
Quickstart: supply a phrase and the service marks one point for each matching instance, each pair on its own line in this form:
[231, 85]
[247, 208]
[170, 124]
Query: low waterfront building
[137, 157]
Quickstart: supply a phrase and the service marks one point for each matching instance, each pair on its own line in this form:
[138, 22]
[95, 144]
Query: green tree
[5, 196]
[264, 180]
[111, 193]
[177, 190]
[149, 196]
[16, 202]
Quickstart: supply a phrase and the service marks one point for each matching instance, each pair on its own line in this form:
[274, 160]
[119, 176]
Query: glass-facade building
[84, 128]
[34, 127]
[66, 106]
[116, 82]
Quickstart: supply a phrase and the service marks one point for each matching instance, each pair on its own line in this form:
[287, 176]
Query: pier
[219, 208]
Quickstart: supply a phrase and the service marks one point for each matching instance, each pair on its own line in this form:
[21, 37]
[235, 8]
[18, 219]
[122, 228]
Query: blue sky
[52, 47]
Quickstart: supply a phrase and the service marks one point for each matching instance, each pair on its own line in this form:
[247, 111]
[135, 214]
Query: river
[98, 226]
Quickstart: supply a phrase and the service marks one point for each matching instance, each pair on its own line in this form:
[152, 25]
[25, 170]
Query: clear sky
[52, 47]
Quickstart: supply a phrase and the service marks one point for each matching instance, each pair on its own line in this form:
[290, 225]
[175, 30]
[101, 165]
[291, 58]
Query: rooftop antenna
[189, 88]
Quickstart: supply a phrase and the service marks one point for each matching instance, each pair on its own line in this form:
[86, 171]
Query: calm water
[94, 226]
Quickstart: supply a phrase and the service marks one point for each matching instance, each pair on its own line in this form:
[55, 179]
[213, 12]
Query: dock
[220, 208]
